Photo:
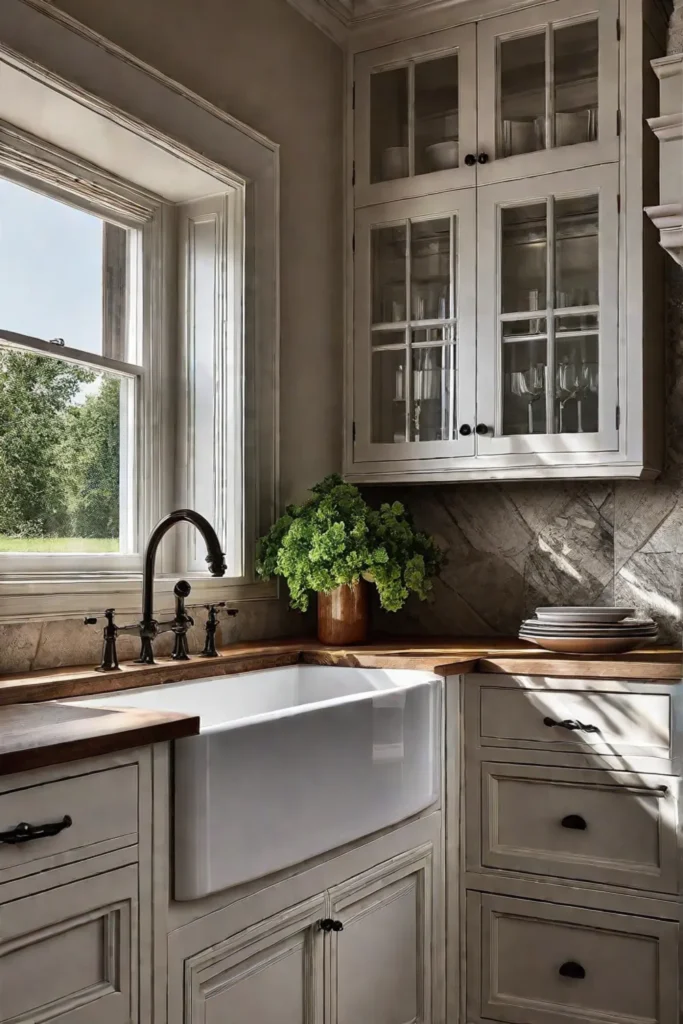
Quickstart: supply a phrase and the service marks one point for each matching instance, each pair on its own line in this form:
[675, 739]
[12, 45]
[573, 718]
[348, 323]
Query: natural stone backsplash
[512, 547]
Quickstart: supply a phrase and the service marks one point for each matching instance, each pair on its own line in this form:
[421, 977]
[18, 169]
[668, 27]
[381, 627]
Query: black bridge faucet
[148, 628]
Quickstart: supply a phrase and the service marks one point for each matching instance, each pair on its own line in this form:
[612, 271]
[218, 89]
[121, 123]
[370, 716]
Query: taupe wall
[265, 64]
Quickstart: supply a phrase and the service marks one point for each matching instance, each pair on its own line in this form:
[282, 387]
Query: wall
[512, 547]
[265, 64]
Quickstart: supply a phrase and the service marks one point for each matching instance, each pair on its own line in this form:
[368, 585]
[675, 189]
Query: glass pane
[389, 396]
[525, 382]
[388, 254]
[389, 125]
[60, 454]
[436, 114]
[576, 83]
[521, 114]
[433, 410]
[577, 262]
[524, 257]
[577, 385]
[51, 280]
[514, 330]
[388, 339]
[572, 324]
[430, 251]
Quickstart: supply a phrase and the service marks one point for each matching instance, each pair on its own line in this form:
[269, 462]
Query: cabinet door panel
[414, 336]
[270, 973]
[548, 343]
[381, 963]
[548, 89]
[415, 117]
[70, 953]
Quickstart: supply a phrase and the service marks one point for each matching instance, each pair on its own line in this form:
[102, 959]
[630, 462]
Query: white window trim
[79, 64]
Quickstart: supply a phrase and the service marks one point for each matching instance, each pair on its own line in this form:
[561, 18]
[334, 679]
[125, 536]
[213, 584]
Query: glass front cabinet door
[547, 370]
[415, 117]
[548, 89]
[414, 352]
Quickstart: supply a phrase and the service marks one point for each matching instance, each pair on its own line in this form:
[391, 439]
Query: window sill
[57, 596]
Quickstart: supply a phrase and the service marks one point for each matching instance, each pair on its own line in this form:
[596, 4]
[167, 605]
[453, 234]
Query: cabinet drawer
[69, 954]
[102, 807]
[613, 827]
[537, 963]
[602, 722]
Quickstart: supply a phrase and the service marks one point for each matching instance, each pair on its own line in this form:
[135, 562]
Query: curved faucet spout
[215, 556]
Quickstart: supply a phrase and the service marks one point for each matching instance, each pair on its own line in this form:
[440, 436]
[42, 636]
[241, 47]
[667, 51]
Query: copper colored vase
[343, 615]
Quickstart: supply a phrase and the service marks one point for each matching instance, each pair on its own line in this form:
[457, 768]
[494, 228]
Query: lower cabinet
[70, 954]
[361, 952]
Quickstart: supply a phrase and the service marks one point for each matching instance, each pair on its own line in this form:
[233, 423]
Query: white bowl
[443, 155]
[395, 163]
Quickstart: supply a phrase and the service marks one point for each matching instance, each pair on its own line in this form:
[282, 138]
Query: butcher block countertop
[35, 734]
[448, 656]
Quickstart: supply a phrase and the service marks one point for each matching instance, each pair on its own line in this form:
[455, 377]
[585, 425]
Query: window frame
[42, 43]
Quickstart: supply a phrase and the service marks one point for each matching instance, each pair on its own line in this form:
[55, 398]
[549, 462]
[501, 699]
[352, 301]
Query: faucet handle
[211, 628]
[110, 661]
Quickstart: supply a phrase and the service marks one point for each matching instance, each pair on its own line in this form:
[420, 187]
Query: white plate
[589, 634]
[584, 614]
[569, 627]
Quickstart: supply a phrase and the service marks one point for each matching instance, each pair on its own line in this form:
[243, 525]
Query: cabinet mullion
[550, 322]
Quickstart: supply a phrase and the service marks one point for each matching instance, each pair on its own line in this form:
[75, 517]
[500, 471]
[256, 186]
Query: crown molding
[333, 17]
[667, 217]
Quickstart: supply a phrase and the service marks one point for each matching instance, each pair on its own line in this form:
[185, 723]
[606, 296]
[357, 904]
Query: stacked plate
[588, 630]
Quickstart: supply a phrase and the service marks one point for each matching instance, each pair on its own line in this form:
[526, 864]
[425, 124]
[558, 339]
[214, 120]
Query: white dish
[443, 155]
[649, 634]
[584, 614]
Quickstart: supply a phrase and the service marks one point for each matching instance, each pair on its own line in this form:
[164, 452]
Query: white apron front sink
[293, 762]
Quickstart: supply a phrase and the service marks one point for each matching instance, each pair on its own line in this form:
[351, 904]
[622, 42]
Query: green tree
[35, 394]
[90, 457]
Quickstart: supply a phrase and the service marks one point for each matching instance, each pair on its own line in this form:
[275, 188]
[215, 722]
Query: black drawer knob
[574, 821]
[572, 970]
[466, 430]
[329, 925]
[482, 429]
[483, 158]
[470, 159]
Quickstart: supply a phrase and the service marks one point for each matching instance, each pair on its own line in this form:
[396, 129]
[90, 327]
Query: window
[121, 374]
[69, 378]
[149, 209]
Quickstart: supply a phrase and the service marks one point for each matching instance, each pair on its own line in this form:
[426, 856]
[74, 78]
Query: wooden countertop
[448, 656]
[37, 735]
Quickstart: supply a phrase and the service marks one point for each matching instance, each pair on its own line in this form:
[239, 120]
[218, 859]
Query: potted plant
[334, 545]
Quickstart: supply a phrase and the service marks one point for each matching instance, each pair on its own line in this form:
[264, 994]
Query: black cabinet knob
[572, 970]
[483, 158]
[574, 821]
[482, 429]
[465, 430]
[470, 159]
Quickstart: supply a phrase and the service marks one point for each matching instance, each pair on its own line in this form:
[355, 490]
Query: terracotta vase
[343, 615]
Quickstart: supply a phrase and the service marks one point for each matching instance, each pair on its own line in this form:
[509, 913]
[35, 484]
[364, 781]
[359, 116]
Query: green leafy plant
[336, 537]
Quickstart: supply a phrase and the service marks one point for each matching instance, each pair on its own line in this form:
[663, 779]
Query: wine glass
[530, 385]
[568, 387]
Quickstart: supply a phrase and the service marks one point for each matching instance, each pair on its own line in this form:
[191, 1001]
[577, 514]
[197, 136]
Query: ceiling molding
[667, 217]
[333, 17]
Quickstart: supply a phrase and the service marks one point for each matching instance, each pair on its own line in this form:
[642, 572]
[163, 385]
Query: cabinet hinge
[353, 96]
[353, 173]
[353, 432]
[618, 417]
[353, 244]
[618, 202]
[618, 122]
[618, 31]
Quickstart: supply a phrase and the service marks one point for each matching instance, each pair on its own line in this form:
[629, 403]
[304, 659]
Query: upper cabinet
[501, 323]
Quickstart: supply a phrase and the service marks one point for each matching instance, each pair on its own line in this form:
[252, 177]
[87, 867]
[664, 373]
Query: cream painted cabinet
[505, 307]
[367, 949]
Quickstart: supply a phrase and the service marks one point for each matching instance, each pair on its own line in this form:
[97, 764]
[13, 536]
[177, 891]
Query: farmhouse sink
[293, 762]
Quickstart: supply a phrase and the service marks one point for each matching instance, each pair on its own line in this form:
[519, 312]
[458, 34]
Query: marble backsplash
[512, 547]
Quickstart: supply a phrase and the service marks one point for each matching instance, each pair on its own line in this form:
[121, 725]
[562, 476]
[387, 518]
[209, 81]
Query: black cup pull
[24, 833]
[571, 724]
[466, 430]
[574, 821]
[470, 159]
[572, 970]
[483, 158]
